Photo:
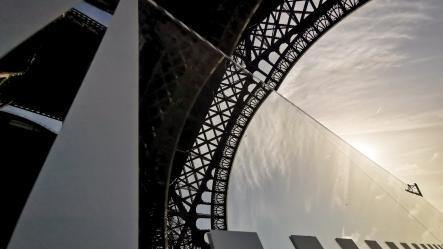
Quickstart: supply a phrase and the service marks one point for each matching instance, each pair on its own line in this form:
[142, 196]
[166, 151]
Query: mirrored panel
[291, 175]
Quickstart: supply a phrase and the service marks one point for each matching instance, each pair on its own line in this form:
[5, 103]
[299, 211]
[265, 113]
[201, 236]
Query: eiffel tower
[144, 102]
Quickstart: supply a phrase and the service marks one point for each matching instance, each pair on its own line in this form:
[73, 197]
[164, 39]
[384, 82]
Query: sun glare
[365, 148]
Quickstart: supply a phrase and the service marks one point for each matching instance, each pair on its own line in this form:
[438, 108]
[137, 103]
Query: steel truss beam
[268, 50]
[177, 70]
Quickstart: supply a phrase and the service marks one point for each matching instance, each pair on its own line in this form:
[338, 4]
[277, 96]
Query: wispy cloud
[377, 75]
[356, 67]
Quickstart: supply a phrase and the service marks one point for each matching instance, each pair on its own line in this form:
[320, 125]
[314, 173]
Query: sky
[375, 80]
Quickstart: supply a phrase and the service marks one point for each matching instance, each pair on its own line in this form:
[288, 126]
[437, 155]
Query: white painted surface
[51, 124]
[86, 195]
[19, 19]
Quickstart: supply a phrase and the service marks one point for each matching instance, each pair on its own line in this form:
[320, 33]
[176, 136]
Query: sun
[365, 148]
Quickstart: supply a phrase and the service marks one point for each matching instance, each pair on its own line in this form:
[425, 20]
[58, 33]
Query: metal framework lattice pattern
[177, 66]
[268, 50]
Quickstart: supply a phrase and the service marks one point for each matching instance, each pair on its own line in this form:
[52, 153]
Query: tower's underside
[204, 68]
[193, 117]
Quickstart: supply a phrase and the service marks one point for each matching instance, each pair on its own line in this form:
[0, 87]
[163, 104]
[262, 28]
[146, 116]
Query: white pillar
[86, 195]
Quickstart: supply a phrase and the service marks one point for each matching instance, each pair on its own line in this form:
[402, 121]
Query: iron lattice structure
[192, 162]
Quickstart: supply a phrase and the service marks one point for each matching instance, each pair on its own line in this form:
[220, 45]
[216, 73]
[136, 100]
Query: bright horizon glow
[375, 80]
[367, 149]
[307, 181]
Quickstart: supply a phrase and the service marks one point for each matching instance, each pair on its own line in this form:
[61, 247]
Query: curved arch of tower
[273, 41]
[130, 126]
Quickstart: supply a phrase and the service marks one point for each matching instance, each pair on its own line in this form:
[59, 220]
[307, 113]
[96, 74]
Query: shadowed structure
[203, 74]
[40, 76]
[195, 103]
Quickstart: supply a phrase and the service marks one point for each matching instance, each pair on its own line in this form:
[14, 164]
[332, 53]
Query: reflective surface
[293, 176]
[375, 80]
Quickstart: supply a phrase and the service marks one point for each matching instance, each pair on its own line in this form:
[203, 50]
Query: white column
[86, 195]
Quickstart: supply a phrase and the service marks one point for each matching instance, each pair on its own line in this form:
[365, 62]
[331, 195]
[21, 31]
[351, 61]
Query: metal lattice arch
[266, 52]
[199, 74]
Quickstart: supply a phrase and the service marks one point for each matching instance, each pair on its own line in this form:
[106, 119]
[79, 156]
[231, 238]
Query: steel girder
[177, 70]
[268, 50]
